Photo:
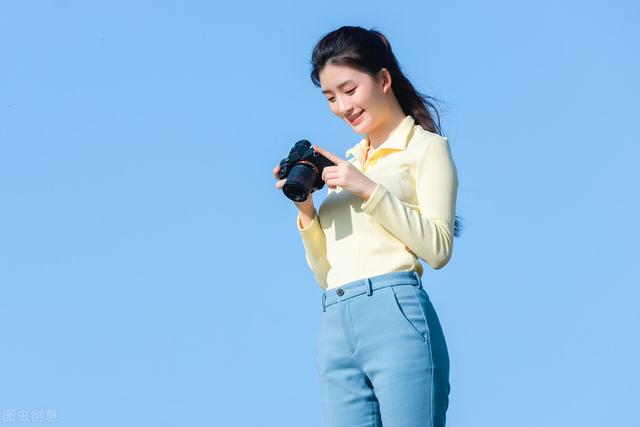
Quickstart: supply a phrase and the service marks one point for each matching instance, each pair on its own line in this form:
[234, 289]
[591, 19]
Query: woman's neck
[380, 134]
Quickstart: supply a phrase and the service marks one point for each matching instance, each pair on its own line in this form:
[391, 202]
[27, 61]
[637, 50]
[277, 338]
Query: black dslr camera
[303, 170]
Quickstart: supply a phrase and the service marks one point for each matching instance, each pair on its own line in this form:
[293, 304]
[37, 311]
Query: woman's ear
[385, 79]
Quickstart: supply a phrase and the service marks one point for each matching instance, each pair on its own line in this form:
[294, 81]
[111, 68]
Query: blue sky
[150, 273]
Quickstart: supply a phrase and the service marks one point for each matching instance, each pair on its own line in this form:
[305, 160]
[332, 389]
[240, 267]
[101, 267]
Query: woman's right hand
[280, 182]
[306, 208]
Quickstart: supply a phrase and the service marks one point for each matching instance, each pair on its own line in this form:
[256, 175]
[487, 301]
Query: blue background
[151, 274]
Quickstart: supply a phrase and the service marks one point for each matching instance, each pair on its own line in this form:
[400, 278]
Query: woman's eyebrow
[340, 85]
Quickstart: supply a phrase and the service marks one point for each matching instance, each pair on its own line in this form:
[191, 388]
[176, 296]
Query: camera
[303, 171]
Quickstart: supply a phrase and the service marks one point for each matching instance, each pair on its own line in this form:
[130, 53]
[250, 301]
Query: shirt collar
[397, 140]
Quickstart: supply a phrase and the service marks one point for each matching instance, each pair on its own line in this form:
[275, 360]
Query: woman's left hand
[345, 175]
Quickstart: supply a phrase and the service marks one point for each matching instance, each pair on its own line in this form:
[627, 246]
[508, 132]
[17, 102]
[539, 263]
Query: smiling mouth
[354, 118]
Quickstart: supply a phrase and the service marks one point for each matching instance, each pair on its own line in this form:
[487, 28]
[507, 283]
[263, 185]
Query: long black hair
[369, 51]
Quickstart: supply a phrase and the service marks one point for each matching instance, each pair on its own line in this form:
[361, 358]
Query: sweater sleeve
[315, 246]
[428, 232]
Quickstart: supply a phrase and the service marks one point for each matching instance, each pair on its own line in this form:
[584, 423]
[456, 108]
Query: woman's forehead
[336, 75]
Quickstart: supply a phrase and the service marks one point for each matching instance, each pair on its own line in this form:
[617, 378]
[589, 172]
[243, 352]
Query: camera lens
[298, 185]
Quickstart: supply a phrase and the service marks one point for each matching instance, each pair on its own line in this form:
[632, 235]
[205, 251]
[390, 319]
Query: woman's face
[355, 97]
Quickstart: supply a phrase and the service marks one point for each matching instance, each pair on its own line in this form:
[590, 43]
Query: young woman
[381, 353]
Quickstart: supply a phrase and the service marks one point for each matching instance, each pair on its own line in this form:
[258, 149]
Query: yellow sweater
[409, 215]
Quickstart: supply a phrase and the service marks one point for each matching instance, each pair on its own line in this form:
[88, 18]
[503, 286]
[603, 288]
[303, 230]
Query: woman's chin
[361, 128]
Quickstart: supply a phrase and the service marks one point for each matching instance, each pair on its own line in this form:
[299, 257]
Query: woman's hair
[369, 51]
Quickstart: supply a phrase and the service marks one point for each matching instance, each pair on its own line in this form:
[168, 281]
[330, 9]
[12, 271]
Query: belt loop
[324, 297]
[369, 287]
[419, 280]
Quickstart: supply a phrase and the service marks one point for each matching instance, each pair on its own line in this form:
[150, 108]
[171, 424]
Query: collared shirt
[409, 215]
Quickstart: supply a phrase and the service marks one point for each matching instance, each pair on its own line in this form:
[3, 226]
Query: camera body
[303, 170]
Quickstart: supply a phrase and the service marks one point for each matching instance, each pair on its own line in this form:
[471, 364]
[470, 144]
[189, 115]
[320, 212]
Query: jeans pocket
[409, 303]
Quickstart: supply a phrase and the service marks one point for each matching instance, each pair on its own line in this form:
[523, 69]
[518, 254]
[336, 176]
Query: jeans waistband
[368, 285]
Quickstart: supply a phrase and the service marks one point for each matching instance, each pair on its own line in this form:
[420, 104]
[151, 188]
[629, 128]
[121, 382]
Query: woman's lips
[357, 119]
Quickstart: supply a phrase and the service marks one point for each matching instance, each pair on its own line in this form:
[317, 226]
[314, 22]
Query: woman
[381, 353]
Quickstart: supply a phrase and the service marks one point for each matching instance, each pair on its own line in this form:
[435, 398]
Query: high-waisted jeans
[381, 354]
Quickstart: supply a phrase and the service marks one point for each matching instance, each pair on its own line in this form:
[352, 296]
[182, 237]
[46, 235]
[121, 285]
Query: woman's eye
[349, 92]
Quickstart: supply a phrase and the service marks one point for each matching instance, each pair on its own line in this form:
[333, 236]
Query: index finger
[335, 159]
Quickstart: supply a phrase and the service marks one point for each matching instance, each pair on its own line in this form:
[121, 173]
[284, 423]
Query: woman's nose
[345, 109]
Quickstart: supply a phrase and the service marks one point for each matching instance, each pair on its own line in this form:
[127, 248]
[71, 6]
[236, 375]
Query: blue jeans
[381, 354]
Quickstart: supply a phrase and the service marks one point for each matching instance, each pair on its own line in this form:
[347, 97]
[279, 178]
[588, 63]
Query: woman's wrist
[306, 208]
[368, 191]
[305, 214]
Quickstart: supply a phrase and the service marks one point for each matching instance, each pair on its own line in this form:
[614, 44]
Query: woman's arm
[429, 231]
[315, 246]
[313, 238]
